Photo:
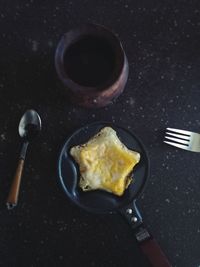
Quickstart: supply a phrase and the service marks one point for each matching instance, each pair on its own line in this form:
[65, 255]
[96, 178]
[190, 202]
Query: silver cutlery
[29, 128]
[183, 139]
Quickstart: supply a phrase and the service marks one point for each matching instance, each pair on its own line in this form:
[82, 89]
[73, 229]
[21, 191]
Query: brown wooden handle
[14, 190]
[154, 253]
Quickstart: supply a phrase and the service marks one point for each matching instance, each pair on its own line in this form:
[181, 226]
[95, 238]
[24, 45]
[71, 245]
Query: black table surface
[162, 43]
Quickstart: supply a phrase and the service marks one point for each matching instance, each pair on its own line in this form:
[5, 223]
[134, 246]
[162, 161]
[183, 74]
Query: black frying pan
[99, 201]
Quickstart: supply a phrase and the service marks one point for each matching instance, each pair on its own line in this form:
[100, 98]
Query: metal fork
[183, 139]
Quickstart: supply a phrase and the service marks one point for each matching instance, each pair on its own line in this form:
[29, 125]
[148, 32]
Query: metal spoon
[29, 127]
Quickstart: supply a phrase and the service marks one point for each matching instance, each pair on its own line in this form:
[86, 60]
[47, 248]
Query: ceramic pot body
[92, 65]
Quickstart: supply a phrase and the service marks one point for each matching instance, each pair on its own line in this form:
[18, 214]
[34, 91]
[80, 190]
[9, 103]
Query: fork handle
[14, 190]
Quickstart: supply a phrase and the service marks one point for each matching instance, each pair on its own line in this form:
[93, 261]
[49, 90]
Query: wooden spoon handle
[14, 190]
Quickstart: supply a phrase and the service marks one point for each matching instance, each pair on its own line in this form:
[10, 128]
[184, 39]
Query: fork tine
[178, 135]
[185, 142]
[179, 131]
[177, 145]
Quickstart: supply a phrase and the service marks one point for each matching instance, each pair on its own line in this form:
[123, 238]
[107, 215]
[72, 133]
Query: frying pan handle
[146, 242]
[150, 248]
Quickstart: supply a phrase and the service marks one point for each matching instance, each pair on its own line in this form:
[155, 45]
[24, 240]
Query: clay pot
[92, 65]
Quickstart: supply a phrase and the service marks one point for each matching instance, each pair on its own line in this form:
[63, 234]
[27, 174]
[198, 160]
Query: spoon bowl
[30, 125]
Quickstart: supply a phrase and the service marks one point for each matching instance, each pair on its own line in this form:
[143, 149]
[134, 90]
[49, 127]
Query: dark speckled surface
[161, 40]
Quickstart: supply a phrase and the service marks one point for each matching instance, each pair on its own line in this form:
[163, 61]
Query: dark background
[162, 43]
